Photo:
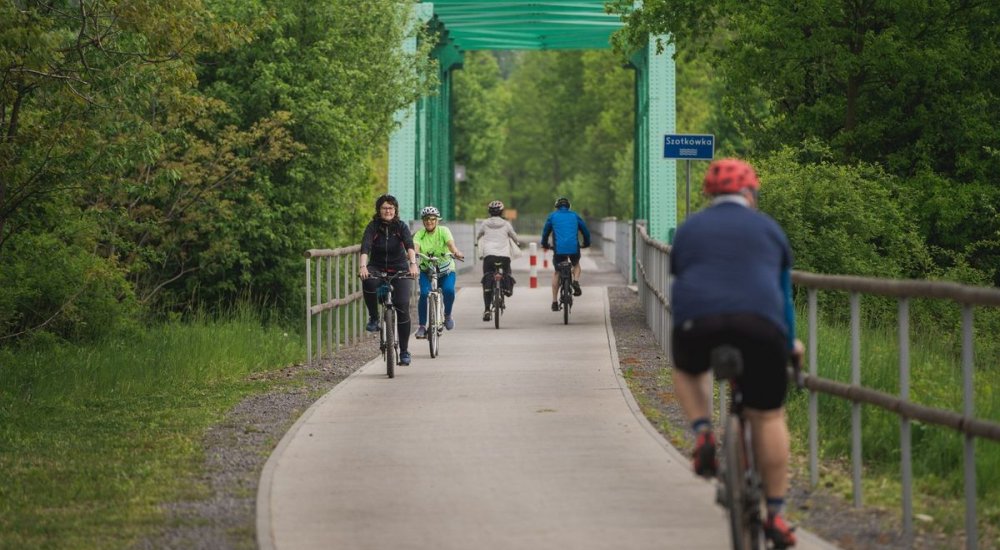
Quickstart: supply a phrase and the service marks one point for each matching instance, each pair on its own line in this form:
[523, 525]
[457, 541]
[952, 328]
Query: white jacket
[495, 236]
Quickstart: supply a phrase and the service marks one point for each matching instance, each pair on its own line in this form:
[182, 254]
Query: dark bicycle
[740, 489]
[435, 300]
[565, 270]
[388, 338]
[498, 304]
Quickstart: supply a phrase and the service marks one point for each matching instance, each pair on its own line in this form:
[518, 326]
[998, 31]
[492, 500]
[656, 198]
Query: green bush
[53, 282]
[852, 220]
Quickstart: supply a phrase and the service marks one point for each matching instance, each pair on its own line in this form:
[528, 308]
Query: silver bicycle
[435, 299]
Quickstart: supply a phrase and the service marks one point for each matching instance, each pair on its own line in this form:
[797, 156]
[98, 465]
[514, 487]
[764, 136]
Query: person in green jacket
[435, 240]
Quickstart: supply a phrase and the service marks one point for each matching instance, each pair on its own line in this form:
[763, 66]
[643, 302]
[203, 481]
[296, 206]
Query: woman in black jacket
[387, 246]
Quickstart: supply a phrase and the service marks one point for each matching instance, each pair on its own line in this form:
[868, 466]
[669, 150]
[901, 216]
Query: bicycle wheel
[734, 481]
[567, 300]
[497, 301]
[433, 322]
[389, 318]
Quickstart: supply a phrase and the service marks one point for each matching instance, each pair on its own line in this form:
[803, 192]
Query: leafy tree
[171, 154]
[78, 82]
[853, 220]
[481, 103]
[570, 130]
[896, 82]
[338, 70]
[909, 86]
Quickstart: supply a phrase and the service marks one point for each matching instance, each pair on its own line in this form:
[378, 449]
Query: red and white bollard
[533, 262]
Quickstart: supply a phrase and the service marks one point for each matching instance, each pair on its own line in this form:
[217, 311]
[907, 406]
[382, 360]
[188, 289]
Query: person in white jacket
[496, 240]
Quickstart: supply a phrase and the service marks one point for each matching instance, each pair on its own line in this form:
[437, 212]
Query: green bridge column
[404, 162]
[421, 167]
[662, 191]
[655, 178]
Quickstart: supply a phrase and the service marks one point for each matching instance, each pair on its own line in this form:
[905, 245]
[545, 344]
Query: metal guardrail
[653, 274]
[340, 303]
[613, 237]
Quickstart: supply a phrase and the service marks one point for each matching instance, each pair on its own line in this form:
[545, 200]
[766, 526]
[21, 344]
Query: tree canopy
[166, 156]
[911, 87]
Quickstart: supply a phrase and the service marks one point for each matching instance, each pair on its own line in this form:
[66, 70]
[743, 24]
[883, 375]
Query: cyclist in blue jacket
[565, 225]
[732, 285]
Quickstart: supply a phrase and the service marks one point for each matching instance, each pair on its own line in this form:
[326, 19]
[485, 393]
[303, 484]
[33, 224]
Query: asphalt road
[522, 437]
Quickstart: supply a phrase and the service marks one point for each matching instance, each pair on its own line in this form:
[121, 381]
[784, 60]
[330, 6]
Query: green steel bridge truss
[421, 164]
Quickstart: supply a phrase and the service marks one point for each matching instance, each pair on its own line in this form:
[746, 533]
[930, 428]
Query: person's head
[495, 208]
[386, 208]
[562, 202]
[730, 176]
[430, 217]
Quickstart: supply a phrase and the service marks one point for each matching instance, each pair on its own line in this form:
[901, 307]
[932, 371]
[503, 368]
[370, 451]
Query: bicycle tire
[734, 480]
[432, 324]
[497, 299]
[567, 300]
[389, 318]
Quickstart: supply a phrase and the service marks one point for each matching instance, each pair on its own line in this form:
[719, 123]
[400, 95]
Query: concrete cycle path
[524, 437]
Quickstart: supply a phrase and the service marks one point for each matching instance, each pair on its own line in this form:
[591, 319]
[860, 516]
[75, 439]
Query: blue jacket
[565, 224]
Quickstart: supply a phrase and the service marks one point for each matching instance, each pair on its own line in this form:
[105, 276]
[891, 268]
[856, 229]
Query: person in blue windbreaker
[565, 227]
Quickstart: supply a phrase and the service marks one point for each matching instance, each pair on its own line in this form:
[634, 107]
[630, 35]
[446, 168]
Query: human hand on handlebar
[798, 350]
[796, 355]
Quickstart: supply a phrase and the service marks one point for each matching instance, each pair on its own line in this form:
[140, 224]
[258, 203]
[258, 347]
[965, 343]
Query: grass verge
[936, 380]
[94, 438]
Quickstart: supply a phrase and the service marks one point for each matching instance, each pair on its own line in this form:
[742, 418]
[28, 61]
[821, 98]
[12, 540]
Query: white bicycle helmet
[495, 208]
[430, 212]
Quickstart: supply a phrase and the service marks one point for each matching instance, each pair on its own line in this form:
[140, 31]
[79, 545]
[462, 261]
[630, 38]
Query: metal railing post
[905, 456]
[856, 406]
[319, 300]
[813, 396]
[339, 312]
[308, 312]
[969, 410]
[330, 296]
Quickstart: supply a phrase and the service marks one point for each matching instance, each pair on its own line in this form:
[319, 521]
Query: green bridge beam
[421, 159]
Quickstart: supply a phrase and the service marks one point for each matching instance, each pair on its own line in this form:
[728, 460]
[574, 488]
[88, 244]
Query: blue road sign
[689, 146]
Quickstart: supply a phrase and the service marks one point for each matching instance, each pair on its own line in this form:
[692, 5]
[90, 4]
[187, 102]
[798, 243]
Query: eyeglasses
[430, 219]
[388, 208]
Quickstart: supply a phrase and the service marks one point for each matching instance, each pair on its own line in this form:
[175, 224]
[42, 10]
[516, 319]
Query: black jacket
[386, 244]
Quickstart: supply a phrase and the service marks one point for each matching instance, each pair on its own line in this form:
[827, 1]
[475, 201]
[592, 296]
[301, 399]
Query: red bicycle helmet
[729, 175]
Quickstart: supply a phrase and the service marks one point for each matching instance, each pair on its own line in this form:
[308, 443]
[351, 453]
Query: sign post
[688, 147]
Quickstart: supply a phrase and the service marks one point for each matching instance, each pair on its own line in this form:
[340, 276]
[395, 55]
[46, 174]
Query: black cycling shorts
[573, 258]
[764, 347]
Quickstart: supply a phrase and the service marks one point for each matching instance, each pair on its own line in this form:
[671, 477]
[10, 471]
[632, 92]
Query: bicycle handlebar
[795, 371]
[432, 257]
[388, 277]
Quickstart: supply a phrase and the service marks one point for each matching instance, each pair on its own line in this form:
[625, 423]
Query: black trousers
[489, 266]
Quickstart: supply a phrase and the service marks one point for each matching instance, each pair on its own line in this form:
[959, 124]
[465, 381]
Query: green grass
[936, 381]
[93, 438]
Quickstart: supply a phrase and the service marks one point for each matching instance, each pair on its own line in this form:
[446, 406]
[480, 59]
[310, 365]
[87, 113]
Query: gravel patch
[237, 448]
